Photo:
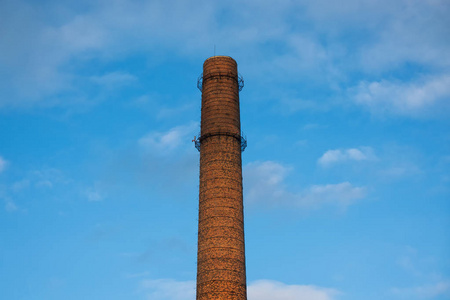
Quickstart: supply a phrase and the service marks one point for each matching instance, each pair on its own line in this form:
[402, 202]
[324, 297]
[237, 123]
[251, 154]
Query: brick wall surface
[221, 249]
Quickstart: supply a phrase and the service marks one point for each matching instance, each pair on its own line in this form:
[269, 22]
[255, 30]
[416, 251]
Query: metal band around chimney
[239, 79]
[240, 137]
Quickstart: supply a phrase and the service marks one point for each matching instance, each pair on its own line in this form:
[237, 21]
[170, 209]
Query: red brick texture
[221, 249]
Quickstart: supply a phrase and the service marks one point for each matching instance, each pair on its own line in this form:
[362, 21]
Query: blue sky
[346, 173]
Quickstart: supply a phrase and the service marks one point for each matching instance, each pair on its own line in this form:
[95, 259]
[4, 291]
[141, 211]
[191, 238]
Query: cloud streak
[264, 182]
[409, 99]
[10, 206]
[3, 164]
[163, 141]
[114, 79]
[321, 48]
[169, 289]
[275, 290]
[158, 159]
[335, 156]
[429, 291]
[94, 195]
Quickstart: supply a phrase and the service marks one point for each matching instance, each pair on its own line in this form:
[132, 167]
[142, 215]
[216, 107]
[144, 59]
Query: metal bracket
[239, 79]
[242, 140]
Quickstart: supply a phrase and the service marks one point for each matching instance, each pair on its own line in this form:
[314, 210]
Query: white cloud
[408, 261]
[168, 289]
[322, 46]
[399, 162]
[3, 164]
[305, 55]
[10, 206]
[94, 195]
[20, 185]
[137, 275]
[264, 182]
[36, 182]
[32, 71]
[274, 290]
[48, 178]
[267, 173]
[171, 139]
[400, 169]
[114, 79]
[428, 291]
[415, 33]
[411, 99]
[44, 184]
[331, 157]
[392, 33]
[311, 126]
[433, 283]
[341, 194]
[159, 159]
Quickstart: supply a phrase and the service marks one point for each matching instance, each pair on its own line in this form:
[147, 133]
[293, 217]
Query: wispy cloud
[426, 270]
[114, 79]
[10, 206]
[94, 195]
[45, 181]
[322, 46]
[400, 170]
[3, 164]
[275, 290]
[31, 74]
[408, 261]
[414, 34]
[341, 194]
[428, 291]
[160, 158]
[169, 289]
[137, 275]
[48, 177]
[388, 162]
[20, 185]
[410, 98]
[399, 162]
[335, 156]
[264, 182]
[312, 126]
[164, 141]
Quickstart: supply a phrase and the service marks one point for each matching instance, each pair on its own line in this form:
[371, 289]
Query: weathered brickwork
[221, 248]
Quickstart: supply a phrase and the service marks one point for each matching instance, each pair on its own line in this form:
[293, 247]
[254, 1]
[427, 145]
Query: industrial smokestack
[221, 249]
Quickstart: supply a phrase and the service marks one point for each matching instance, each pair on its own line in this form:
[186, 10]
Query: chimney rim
[220, 56]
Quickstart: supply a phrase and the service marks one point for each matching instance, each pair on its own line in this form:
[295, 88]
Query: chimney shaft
[221, 249]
